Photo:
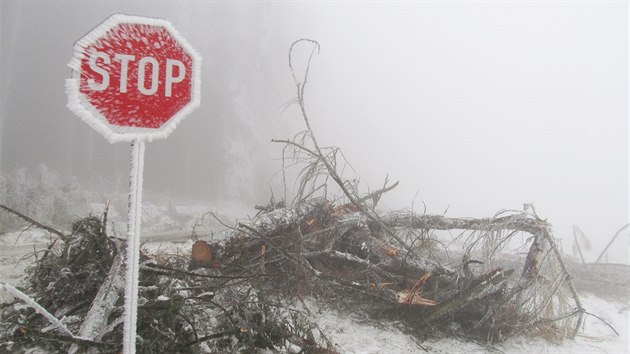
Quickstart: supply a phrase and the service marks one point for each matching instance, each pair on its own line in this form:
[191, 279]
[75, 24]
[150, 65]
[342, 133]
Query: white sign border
[80, 105]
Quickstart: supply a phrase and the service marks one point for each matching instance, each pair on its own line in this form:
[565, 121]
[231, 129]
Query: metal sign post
[134, 218]
[134, 79]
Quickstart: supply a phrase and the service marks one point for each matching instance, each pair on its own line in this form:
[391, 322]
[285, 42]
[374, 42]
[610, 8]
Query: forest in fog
[472, 107]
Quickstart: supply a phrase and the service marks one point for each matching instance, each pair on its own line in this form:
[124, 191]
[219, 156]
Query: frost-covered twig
[576, 242]
[38, 308]
[62, 338]
[601, 255]
[604, 322]
[376, 195]
[332, 171]
[569, 280]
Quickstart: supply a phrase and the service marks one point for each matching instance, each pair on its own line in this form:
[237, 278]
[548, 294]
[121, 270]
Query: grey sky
[481, 106]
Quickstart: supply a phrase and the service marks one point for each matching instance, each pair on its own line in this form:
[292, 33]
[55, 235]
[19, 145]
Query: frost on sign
[133, 78]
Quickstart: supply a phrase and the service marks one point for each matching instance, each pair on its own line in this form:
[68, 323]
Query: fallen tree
[320, 248]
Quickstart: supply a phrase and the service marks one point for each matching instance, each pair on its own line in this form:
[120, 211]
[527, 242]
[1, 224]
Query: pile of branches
[73, 302]
[394, 268]
[244, 291]
[252, 286]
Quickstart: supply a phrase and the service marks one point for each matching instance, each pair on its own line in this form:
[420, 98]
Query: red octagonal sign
[133, 78]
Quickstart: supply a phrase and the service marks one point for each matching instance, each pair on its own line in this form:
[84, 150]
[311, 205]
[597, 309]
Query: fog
[472, 107]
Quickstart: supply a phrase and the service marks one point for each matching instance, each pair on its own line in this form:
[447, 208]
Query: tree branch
[33, 222]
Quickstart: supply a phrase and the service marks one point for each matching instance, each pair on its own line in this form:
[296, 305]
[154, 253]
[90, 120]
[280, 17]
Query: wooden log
[201, 253]
[518, 222]
[95, 321]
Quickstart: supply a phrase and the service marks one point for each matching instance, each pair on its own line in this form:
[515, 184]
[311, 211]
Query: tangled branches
[384, 234]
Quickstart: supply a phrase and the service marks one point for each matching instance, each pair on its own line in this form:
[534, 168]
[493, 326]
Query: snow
[352, 336]
[24, 238]
[13, 260]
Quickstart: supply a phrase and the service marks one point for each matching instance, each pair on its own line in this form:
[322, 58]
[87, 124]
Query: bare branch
[601, 255]
[33, 222]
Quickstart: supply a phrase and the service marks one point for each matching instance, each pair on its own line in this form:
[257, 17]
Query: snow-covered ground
[350, 335]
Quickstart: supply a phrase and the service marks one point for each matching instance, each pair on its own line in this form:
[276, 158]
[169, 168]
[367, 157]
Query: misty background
[474, 107]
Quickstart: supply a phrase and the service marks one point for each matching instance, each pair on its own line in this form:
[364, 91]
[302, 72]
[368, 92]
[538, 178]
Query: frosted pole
[131, 109]
[134, 219]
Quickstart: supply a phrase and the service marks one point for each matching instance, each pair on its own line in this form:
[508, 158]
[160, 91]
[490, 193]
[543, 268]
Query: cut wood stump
[201, 253]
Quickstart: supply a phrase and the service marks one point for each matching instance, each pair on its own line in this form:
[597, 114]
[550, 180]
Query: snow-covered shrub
[41, 194]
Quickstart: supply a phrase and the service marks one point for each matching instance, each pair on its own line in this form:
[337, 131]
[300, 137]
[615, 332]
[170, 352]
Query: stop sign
[133, 78]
